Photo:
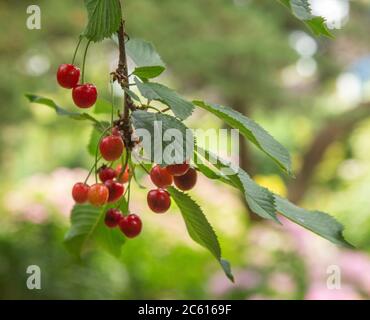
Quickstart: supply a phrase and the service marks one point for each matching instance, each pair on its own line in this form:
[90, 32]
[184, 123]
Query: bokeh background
[311, 94]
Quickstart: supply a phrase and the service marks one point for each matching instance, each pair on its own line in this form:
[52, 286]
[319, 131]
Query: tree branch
[338, 128]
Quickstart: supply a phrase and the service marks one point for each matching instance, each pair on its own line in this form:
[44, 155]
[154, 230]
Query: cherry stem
[124, 164]
[84, 62]
[76, 50]
[112, 100]
[91, 170]
[143, 167]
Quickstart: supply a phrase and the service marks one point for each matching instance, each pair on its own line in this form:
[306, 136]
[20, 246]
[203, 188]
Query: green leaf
[252, 131]
[60, 111]
[143, 54]
[132, 95]
[318, 222]
[198, 227]
[148, 72]
[104, 18]
[259, 199]
[103, 106]
[302, 10]
[181, 108]
[161, 130]
[87, 227]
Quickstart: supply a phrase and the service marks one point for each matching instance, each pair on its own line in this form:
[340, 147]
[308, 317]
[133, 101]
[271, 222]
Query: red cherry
[178, 169]
[111, 147]
[84, 95]
[98, 194]
[125, 177]
[186, 181]
[159, 200]
[131, 225]
[116, 132]
[160, 177]
[112, 218]
[116, 190]
[106, 173]
[80, 192]
[68, 75]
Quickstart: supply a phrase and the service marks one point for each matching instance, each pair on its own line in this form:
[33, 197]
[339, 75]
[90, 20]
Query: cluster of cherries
[84, 95]
[111, 188]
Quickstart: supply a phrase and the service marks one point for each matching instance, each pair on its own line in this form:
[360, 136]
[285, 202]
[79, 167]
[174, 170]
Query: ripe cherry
[80, 192]
[84, 95]
[161, 177]
[116, 190]
[116, 132]
[186, 181]
[111, 147]
[125, 176]
[112, 218]
[178, 169]
[107, 173]
[131, 225]
[68, 76]
[159, 200]
[98, 194]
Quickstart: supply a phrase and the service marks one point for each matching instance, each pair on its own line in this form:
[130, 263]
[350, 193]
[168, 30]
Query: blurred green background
[311, 94]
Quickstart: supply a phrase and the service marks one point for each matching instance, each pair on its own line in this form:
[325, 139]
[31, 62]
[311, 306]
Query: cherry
[159, 200]
[125, 177]
[178, 169]
[68, 75]
[161, 177]
[186, 181]
[131, 225]
[98, 194]
[80, 192]
[112, 218]
[84, 95]
[116, 132]
[111, 147]
[116, 190]
[107, 173]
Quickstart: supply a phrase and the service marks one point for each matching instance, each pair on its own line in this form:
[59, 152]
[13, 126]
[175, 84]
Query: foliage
[104, 20]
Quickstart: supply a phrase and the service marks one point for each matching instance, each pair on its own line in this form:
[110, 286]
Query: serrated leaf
[259, 199]
[198, 227]
[87, 228]
[162, 130]
[318, 222]
[252, 131]
[148, 62]
[181, 108]
[104, 18]
[59, 110]
[301, 9]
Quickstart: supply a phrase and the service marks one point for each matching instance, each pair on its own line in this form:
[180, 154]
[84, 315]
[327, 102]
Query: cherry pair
[130, 225]
[98, 194]
[84, 95]
[108, 173]
[159, 200]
